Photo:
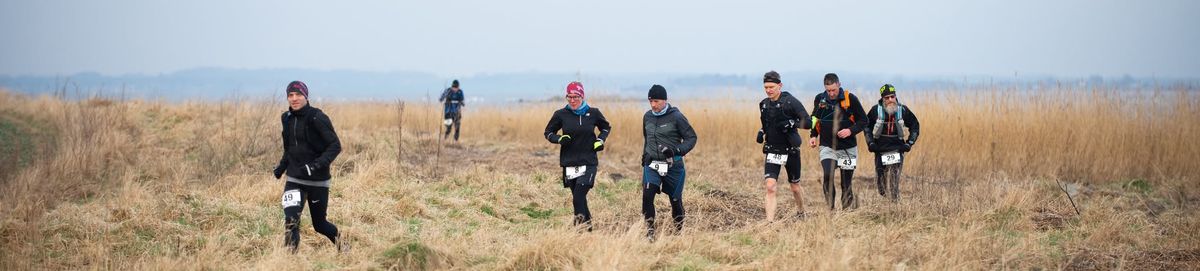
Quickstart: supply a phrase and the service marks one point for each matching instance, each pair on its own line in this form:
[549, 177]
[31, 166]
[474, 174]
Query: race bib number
[447, 121]
[847, 163]
[660, 166]
[890, 158]
[291, 198]
[575, 172]
[777, 158]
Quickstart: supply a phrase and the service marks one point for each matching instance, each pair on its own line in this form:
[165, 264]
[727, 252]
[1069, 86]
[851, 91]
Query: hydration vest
[845, 103]
[878, 129]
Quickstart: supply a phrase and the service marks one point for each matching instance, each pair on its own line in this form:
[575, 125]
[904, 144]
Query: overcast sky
[457, 38]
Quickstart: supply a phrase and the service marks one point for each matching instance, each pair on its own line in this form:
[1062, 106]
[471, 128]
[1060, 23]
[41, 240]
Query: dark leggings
[579, 188]
[579, 202]
[318, 200]
[648, 192]
[848, 200]
[457, 117]
[881, 178]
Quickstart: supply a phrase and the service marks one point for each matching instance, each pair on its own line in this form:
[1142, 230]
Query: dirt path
[23, 141]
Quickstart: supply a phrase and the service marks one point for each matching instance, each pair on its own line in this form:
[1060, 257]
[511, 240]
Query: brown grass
[148, 185]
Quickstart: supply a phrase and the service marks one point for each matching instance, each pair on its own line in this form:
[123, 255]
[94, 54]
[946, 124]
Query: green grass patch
[1003, 218]
[537, 213]
[442, 189]
[690, 262]
[414, 226]
[143, 243]
[17, 148]
[741, 239]
[1055, 243]
[488, 210]
[1057, 238]
[1001, 224]
[261, 229]
[323, 265]
[183, 221]
[702, 187]
[1138, 185]
[606, 192]
[407, 256]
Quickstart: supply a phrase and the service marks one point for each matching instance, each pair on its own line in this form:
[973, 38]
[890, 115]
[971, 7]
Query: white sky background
[450, 38]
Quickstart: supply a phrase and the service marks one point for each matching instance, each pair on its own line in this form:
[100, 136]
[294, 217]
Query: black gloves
[668, 152]
[564, 140]
[760, 138]
[872, 147]
[598, 145]
[907, 147]
[279, 171]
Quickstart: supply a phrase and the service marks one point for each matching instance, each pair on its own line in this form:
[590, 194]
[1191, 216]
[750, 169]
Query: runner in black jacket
[309, 147]
[579, 144]
[885, 133]
[668, 137]
[780, 115]
[839, 117]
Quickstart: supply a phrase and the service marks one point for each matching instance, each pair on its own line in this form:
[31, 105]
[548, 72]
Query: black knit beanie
[658, 92]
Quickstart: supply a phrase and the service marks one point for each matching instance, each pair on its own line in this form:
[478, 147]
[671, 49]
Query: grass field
[104, 184]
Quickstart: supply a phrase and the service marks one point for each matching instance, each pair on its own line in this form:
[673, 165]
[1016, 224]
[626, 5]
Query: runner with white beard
[886, 137]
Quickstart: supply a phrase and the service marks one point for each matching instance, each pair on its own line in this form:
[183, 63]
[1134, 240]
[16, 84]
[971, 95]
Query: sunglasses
[574, 97]
[889, 97]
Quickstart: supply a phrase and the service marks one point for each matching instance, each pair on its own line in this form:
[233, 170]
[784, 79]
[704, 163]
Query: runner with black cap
[885, 134]
[668, 137]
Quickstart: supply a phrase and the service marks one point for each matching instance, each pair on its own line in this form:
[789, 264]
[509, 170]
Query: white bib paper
[291, 198]
[847, 164]
[447, 121]
[890, 158]
[575, 172]
[660, 166]
[777, 158]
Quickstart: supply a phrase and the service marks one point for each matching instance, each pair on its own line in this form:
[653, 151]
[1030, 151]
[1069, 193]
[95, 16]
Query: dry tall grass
[148, 185]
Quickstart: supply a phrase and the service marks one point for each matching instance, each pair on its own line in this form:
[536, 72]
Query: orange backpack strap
[846, 103]
[845, 108]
